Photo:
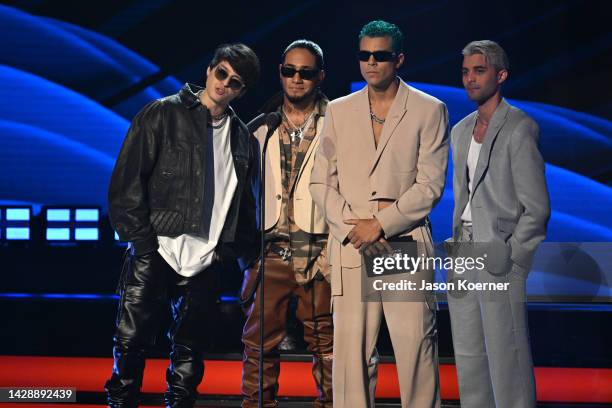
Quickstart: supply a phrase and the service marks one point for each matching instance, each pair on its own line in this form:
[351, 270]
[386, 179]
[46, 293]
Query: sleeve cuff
[390, 221]
[519, 255]
[145, 246]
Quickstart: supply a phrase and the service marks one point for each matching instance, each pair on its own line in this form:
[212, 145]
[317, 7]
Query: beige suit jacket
[307, 216]
[408, 166]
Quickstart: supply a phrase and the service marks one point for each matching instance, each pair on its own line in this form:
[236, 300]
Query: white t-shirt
[472, 161]
[189, 254]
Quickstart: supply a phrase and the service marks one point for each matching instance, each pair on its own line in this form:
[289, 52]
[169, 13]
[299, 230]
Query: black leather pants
[148, 285]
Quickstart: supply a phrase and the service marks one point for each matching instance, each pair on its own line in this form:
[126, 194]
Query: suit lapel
[395, 115]
[364, 125]
[463, 147]
[313, 145]
[497, 121]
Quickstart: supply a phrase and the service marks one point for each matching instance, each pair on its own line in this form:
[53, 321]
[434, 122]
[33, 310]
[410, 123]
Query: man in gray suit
[501, 201]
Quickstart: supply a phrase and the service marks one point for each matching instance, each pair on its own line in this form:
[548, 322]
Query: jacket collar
[189, 97]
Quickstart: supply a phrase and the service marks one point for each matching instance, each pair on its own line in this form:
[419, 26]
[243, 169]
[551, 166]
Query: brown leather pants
[313, 310]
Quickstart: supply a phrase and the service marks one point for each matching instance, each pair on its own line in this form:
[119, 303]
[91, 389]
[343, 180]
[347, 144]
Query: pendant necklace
[298, 131]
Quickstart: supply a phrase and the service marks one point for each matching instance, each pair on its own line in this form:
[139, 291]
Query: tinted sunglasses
[307, 74]
[221, 74]
[379, 56]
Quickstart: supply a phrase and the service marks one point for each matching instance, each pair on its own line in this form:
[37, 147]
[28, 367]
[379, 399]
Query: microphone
[256, 122]
[272, 120]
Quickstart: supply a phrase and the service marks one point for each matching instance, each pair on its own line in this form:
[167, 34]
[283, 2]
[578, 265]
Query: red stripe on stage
[586, 385]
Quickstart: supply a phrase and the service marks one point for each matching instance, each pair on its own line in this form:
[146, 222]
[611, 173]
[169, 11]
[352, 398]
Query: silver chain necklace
[217, 121]
[373, 116]
[298, 131]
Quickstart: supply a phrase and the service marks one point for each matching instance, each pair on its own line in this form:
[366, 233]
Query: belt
[467, 232]
[284, 253]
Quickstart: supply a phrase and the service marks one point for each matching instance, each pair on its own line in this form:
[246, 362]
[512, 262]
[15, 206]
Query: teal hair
[380, 28]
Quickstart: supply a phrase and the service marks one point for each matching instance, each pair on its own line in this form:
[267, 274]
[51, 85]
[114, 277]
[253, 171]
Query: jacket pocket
[170, 163]
[167, 222]
[168, 181]
[506, 225]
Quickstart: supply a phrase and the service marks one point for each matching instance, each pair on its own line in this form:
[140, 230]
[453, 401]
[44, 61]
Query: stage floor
[221, 385]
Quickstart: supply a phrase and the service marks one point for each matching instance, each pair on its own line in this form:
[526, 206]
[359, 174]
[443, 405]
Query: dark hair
[242, 59]
[307, 45]
[380, 28]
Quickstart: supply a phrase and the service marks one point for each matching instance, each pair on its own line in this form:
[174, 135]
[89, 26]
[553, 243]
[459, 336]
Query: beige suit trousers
[412, 326]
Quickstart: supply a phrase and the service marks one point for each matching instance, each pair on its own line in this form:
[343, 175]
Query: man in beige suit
[379, 170]
[296, 234]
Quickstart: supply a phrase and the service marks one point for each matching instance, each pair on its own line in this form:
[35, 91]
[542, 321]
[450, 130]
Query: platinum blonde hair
[492, 51]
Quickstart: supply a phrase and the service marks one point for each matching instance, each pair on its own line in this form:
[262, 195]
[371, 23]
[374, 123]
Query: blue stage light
[58, 234]
[86, 224]
[57, 224]
[58, 214]
[87, 215]
[86, 234]
[61, 296]
[15, 223]
[17, 234]
[18, 214]
[70, 224]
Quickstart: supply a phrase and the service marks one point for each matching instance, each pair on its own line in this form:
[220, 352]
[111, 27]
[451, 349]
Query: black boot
[183, 376]
[123, 388]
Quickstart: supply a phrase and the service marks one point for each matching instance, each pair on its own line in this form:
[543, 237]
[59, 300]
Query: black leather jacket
[157, 183]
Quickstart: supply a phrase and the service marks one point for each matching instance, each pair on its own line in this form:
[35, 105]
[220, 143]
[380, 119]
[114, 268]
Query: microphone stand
[272, 120]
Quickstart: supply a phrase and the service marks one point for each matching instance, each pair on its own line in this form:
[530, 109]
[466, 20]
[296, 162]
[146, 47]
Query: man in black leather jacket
[181, 194]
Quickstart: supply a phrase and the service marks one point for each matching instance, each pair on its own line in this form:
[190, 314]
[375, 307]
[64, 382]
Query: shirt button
[197, 200]
[193, 225]
[278, 197]
[198, 172]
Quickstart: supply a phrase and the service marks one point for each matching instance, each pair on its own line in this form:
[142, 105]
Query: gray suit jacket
[510, 202]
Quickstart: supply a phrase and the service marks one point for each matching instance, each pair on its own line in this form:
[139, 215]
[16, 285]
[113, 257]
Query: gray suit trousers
[491, 343]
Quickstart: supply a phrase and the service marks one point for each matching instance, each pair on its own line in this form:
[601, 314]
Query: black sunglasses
[221, 74]
[379, 56]
[306, 74]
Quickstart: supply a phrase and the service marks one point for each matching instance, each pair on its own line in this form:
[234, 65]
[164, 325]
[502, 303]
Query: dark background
[559, 55]
[559, 50]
